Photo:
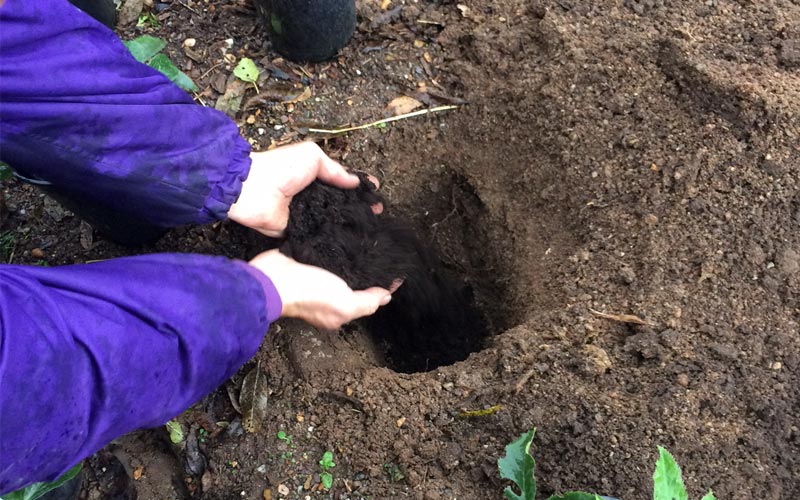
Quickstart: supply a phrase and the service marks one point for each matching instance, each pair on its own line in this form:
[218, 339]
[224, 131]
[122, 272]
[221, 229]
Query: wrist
[272, 297]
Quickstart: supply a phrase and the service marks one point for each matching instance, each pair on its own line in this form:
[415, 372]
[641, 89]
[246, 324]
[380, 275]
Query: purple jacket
[90, 352]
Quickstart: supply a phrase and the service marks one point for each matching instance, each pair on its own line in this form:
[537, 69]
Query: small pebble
[283, 490]
[189, 42]
[251, 119]
[683, 380]
[37, 253]
[777, 365]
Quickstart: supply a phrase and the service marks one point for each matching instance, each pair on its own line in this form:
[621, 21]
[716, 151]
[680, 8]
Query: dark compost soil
[619, 157]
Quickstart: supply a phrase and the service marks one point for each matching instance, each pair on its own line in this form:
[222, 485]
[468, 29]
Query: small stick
[193, 10]
[622, 318]
[380, 122]
[523, 380]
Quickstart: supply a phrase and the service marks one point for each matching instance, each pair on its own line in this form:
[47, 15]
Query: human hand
[275, 177]
[315, 295]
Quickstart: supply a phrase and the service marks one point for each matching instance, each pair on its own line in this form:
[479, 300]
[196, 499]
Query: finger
[332, 172]
[366, 302]
[397, 283]
[374, 180]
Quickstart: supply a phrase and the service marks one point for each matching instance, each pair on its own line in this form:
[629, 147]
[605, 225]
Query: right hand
[315, 295]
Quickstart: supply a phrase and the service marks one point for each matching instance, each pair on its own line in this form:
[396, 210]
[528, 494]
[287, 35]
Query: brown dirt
[633, 156]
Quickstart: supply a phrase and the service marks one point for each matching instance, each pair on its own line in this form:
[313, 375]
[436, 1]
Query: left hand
[275, 177]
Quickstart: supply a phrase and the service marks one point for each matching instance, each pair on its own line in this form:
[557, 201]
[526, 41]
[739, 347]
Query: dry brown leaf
[137, 473]
[253, 399]
[129, 12]
[231, 101]
[401, 105]
[622, 318]
[304, 96]
[86, 235]
[279, 92]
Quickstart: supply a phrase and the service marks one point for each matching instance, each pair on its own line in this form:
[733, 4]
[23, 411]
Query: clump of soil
[431, 321]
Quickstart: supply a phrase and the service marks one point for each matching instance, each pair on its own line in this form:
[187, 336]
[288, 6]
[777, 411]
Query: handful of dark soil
[430, 321]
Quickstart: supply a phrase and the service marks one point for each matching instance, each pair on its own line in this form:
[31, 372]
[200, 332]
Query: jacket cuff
[271, 296]
[226, 191]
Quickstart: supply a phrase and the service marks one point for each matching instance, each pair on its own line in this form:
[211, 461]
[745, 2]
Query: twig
[190, 8]
[622, 318]
[212, 68]
[380, 122]
[523, 380]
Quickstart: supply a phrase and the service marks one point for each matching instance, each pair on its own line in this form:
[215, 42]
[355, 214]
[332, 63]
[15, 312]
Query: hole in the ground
[432, 320]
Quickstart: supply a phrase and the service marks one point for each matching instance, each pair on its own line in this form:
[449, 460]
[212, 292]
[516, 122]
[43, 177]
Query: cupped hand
[275, 177]
[315, 295]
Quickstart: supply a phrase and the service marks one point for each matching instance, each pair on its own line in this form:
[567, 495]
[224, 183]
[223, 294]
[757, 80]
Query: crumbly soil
[614, 157]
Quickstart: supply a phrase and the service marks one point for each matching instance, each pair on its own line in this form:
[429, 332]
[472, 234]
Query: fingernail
[386, 300]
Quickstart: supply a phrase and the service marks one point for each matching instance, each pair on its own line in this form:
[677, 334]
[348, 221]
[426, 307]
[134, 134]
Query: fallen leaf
[137, 473]
[401, 105]
[246, 70]
[86, 235]
[231, 101]
[279, 92]
[207, 480]
[304, 96]
[401, 422]
[253, 399]
[385, 4]
[219, 82]
[129, 12]
[480, 413]
[622, 318]
[267, 494]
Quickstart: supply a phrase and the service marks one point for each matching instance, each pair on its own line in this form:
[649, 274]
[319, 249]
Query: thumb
[366, 302]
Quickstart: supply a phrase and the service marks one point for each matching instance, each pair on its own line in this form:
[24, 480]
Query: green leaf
[517, 465]
[709, 496]
[37, 490]
[175, 432]
[275, 22]
[576, 495]
[145, 47]
[327, 461]
[667, 481]
[327, 480]
[178, 77]
[246, 70]
[5, 171]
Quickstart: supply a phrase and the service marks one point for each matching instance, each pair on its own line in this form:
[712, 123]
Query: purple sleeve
[90, 352]
[78, 111]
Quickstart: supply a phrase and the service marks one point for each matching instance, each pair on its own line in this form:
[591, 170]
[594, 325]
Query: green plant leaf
[327, 461]
[37, 490]
[275, 22]
[5, 171]
[327, 480]
[576, 495]
[178, 77]
[145, 47]
[667, 481]
[709, 496]
[175, 431]
[246, 70]
[518, 465]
